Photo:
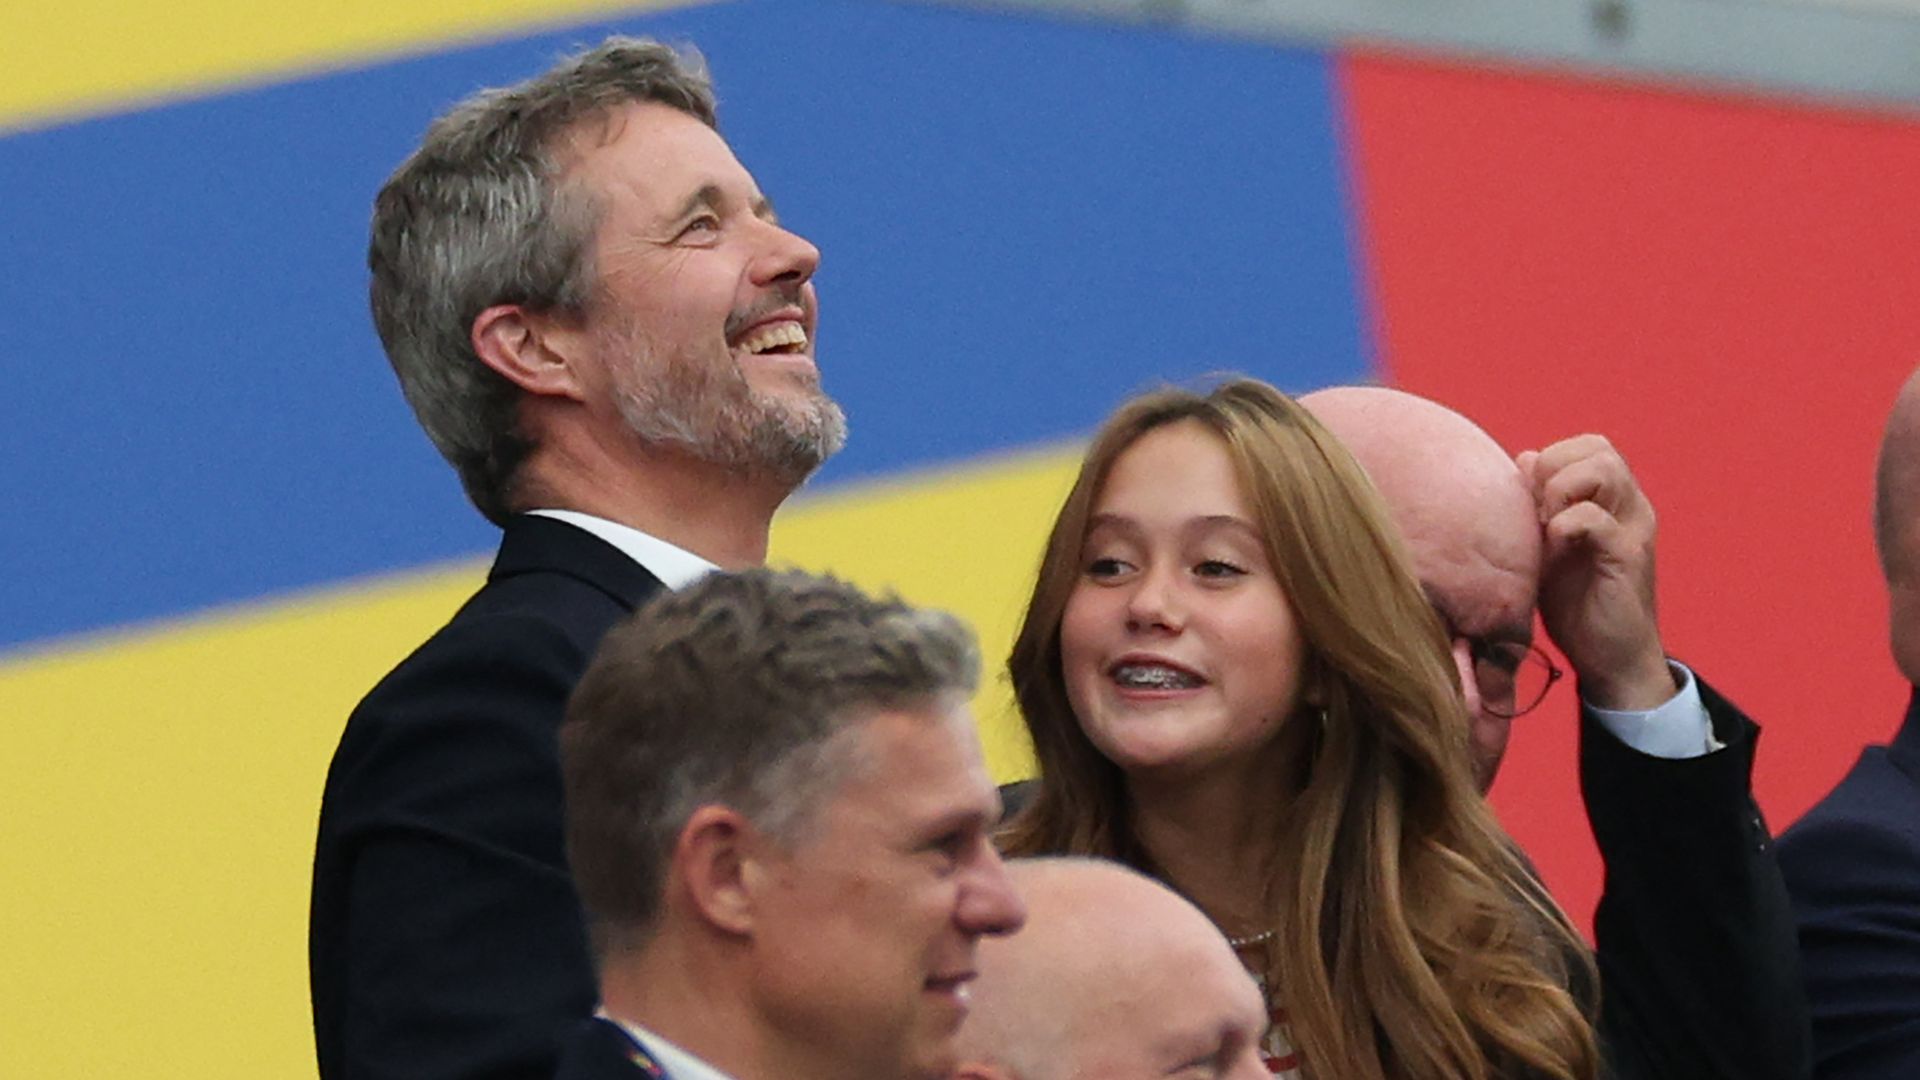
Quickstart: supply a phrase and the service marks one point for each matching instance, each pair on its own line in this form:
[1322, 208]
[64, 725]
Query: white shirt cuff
[1675, 730]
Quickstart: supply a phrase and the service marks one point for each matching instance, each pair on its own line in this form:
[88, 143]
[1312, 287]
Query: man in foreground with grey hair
[1116, 977]
[1694, 938]
[778, 817]
[601, 325]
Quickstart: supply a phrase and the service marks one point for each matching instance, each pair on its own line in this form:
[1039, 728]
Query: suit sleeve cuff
[1675, 730]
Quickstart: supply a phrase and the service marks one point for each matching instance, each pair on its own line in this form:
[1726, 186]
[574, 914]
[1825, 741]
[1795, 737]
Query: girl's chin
[1162, 765]
[1159, 762]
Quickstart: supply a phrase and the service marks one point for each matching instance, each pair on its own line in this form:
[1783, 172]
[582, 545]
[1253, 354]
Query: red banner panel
[1727, 288]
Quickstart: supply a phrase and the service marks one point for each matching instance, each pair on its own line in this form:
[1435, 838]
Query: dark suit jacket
[1853, 867]
[446, 940]
[600, 1050]
[1699, 972]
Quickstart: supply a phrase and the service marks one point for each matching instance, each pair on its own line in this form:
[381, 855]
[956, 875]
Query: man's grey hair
[744, 690]
[481, 215]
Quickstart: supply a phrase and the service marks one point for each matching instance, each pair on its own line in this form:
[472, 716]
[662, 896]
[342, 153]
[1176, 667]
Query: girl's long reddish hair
[1411, 942]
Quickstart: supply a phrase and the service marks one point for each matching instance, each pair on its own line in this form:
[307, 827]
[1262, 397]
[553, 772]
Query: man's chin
[790, 445]
[814, 427]
[937, 1063]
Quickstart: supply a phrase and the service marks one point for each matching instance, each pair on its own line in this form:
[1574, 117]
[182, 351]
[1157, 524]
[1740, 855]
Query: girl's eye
[1105, 566]
[1214, 568]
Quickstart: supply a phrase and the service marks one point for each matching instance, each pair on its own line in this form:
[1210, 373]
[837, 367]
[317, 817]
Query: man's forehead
[1478, 558]
[922, 762]
[1460, 502]
[658, 156]
[1200, 1000]
[1482, 602]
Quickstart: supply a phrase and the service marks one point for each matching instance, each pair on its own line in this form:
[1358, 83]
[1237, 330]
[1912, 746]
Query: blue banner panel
[1023, 222]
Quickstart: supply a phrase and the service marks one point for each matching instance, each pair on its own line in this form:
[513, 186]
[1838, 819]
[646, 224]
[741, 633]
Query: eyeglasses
[1513, 678]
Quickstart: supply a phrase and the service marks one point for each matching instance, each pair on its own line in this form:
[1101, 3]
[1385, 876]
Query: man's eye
[704, 225]
[951, 849]
[1212, 1064]
[1496, 683]
[1503, 657]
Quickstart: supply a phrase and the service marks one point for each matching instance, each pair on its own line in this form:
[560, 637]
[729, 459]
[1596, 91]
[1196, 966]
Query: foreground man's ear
[714, 863]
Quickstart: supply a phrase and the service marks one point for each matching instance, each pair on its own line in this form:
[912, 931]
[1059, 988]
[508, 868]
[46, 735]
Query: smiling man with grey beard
[601, 324]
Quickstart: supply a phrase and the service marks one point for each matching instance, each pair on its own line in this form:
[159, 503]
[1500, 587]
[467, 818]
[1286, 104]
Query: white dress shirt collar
[676, 567]
[679, 1064]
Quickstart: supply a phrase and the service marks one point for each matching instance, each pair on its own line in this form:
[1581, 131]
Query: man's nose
[787, 257]
[1248, 1066]
[990, 904]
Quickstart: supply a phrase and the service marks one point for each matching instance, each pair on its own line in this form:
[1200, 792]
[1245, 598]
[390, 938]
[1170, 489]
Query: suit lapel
[544, 545]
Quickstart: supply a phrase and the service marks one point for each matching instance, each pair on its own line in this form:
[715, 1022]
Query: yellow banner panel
[83, 56]
[159, 789]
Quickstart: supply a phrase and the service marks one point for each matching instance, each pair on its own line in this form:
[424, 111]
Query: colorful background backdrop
[222, 526]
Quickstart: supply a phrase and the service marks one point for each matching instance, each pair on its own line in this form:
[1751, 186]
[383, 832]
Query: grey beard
[720, 420]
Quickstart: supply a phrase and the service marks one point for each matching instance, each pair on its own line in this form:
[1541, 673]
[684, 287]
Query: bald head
[1896, 524]
[1459, 500]
[1466, 515]
[1114, 977]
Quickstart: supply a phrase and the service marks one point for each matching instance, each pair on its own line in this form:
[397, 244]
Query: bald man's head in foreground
[1115, 977]
[1896, 525]
[1470, 523]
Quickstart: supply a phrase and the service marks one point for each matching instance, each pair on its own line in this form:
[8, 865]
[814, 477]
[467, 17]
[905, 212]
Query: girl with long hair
[1233, 682]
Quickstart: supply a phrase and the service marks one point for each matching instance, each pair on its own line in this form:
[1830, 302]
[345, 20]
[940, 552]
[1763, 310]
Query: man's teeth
[774, 336]
[1154, 677]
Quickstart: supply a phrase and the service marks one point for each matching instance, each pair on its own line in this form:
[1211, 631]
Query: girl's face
[1179, 650]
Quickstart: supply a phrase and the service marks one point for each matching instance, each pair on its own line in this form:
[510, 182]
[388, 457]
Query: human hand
[1597, 577]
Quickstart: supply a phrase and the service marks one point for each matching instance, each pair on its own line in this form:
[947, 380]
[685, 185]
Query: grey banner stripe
[1847, 51]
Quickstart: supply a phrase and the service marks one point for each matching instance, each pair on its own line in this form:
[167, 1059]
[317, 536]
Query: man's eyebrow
[1440, 607]
[979, 816]
[708, 196]
[1520, 633]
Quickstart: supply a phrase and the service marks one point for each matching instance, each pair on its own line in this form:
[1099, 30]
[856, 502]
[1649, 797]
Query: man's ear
[529, 350]
[714, 859]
